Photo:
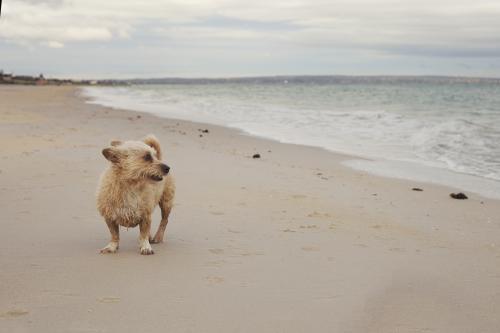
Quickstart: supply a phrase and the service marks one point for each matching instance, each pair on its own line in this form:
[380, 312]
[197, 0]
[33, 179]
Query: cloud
[306, 34]
[429, 28]
[54, 3]
[53, 44]
[47, 22]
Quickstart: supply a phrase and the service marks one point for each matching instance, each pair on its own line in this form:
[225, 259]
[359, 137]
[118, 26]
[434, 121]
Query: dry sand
[291, 242]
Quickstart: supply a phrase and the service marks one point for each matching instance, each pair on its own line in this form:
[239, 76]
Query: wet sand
[291, 242]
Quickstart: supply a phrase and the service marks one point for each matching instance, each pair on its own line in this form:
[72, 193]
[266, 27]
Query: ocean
[438, 131]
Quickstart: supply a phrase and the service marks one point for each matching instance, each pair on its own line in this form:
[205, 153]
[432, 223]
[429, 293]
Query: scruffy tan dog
[131, 187]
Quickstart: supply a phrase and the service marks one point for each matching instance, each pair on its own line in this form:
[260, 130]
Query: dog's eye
[148, 157]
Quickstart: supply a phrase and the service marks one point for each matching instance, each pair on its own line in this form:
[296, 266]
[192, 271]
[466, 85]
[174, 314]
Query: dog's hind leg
[145, 228]
[114, 229]
[166, 208]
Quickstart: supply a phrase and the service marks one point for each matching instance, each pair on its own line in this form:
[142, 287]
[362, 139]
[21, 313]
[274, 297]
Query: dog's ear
[112, 154]
[115, 143]
[153, 142]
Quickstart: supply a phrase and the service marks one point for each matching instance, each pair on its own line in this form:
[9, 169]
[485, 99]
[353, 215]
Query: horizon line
[270, 76]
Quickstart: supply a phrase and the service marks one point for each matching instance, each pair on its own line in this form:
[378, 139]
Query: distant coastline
[41, 80]
[9, 78]
[316, 79]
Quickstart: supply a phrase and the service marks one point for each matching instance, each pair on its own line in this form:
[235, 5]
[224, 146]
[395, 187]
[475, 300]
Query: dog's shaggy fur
[131, 187]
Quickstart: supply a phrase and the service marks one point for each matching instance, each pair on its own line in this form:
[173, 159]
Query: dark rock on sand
[459, 196]
[256, 156]
[417, 189]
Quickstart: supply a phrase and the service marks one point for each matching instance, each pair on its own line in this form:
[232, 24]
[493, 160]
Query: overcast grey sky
[195, 38]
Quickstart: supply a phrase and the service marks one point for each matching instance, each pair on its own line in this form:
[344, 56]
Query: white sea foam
[409, 131]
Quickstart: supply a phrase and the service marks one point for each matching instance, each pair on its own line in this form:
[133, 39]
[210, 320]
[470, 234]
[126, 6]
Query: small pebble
[256, 156]
[417, 189]
[459, 196]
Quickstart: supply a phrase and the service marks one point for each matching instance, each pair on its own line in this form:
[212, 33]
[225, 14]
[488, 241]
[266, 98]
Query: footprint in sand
[397, 249]
[214, 279]
[109, 299]
[320, 215]
[215, 263]
[70, 294]
[250, 253]
[13, 313]
[310, 248]
[310, 226]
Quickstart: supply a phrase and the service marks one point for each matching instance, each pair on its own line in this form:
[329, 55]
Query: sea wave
[454, 128]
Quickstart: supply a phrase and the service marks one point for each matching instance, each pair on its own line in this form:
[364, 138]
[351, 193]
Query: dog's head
[137, 160]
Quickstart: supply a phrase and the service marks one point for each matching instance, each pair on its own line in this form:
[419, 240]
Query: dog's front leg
[165, 212]
[114, 229]
[145, 227]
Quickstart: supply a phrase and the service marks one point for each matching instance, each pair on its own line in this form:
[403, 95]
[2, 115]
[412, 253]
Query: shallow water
[449, 127]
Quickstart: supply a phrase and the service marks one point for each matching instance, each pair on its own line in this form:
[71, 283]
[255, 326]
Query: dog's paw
[145, 247]
[147, 251]
[155, 240]
[110, 248]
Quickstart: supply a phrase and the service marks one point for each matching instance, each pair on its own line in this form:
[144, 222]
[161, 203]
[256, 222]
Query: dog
[130, 188]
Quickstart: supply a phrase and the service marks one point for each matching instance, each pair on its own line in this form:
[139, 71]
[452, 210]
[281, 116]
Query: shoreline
[411, 171]
[294, 241]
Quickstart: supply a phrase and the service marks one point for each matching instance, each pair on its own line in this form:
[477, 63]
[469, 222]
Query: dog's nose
[165, 168]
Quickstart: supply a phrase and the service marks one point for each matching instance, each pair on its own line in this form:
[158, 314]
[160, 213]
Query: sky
[227, 38]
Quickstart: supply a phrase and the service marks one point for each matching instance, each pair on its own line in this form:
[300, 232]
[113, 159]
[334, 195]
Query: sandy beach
[291, 242]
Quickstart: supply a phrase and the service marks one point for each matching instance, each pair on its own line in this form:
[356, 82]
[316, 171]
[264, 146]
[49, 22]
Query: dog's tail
[153, 142]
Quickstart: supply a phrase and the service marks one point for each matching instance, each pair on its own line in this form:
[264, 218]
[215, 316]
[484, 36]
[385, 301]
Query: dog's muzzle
[164, 169]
